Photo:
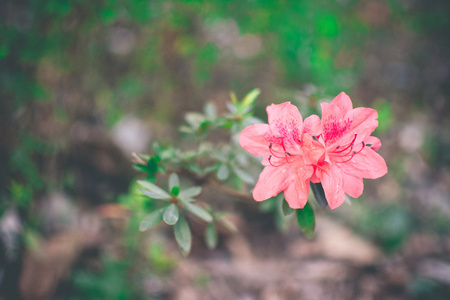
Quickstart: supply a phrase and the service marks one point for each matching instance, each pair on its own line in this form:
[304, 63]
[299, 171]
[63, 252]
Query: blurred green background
[85, 83]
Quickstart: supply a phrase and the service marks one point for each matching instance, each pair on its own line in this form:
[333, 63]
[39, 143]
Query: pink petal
[291, 177]
[313, 150]
[366, 164]
[296, 194]
[312, 125]
[363, 122]
[331, 113]
[333, 187]
[284, 112]
[253, 139]
[343, 101]
[271, 182]
[353, 186]
[373, 142]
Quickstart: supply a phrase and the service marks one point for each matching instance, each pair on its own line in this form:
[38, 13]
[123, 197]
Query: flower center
[284, 142]
[334, 128]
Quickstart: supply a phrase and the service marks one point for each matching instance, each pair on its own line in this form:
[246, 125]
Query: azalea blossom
[350, 150]
[289, 153]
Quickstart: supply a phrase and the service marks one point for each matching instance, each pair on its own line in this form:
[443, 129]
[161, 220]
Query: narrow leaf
[223, 172]
[173, 181]
[233, 98]
[227, 223]
[319, 194]
[211, 236]
[152, 165]
[156, 148]
[183, 235]
[171, 214]
[210, 110]
[186, 129]
[151, 219]
[156, 191]
[152, 195]
[246, 110]
[243, 175]
[191, 192]
[198, 211]
[306, 220]
[250, 98]
[194, 119]
[185, 199]
[231, 107]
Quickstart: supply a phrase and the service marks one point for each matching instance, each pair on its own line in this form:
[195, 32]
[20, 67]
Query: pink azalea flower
[289, 153]
[350, 150]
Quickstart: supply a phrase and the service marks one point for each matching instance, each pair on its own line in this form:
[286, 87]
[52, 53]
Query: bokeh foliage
[77, 43]
[96, 61]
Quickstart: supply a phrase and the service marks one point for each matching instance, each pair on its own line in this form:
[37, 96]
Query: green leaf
[246, 110]
[4, 51]
[155, 191]
[250, 98]
[210, 110]
[183, 235]
[223, 172]
[194, 119]
[156, 148]
[171, 214]
[186, 129]
[211, 236]
[243, 175]
[306, 220]
[226, 223]
[173, 181]
[195, 168]
[190, 192]
[152, 165]
[233, 98]
[287, 210]
[198, 211]
[175, 190]
[319, 194]
[151, 194]
[151, 219]
[142, 168]
[232, 108]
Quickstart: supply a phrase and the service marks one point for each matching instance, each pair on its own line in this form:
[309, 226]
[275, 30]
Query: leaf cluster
[226, 163]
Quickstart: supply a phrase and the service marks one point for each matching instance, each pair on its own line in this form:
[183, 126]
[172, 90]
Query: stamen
[363, 145]
[269, 159]
[342, 153]
[288, 155]
[348, 146]
[353, 154]
[272, 152]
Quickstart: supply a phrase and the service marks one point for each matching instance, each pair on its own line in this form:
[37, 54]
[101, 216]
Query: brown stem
[230, 191]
